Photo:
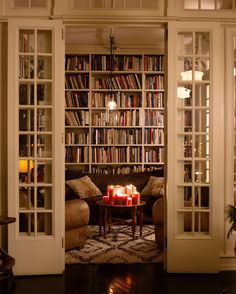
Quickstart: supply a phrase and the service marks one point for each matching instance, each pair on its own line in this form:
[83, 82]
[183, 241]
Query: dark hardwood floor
[122, 279]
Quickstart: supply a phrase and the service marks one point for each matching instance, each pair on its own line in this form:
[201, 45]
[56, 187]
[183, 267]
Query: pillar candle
[106, 199]
[129, 200]
[125, 199]
[136, 198]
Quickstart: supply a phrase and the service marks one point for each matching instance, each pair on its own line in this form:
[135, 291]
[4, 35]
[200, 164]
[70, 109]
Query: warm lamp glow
[111, 105]
[25, 165]
[183, 92]
[188, 75]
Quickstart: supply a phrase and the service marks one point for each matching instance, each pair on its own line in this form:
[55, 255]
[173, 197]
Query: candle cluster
[119, 195]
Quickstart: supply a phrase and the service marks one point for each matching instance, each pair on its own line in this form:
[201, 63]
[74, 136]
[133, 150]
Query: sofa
[150, 184]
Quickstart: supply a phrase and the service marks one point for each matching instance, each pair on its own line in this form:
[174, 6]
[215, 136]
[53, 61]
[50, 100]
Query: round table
[106, 219]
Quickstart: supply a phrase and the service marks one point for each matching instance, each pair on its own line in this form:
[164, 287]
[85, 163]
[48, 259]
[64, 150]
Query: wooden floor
[122, 279]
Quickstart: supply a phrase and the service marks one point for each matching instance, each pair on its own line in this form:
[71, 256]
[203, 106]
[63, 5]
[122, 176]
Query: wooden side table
[106, 219]
[6, 261]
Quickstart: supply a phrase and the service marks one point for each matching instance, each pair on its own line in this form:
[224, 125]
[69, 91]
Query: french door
[195, 177]
[35, 145]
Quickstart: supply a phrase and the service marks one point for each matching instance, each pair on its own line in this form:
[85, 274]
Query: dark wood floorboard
[123, 279]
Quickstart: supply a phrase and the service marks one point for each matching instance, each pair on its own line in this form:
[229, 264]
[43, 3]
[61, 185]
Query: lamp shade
[188, 75]
[25, 165]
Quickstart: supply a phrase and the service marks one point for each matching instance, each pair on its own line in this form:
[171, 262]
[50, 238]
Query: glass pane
[202, 146]
[26, 198]
[26, 170]
[44, 223]
[202, 95]
[184, 222]
[26, 120]
[208, 4]
[201, 222]
[185, 44]
[26, 41]
[149, 3]
[185, 69]
[202, 43]
[26, 145]
[187, 146]
[184, 197]
[44, 67]
[202, 171]
[184, 122]
[44, 41]
[26, 67]
[202, 197]
[184, 95]
[44, 197]
[186, 174]
[44, 94]
[202, 70]
[26, 223]
[222, 4]
[119, 3]
[97, 3]
[44, 146]
[191, 4]
[202, 120]
[132, 4]
[44, 172]
[26, 94]
[44, 119]
[39, 3]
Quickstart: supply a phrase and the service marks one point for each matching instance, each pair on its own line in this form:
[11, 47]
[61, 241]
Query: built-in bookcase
[127, 138]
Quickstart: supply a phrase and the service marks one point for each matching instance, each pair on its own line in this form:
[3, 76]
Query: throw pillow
[84, 187]
[154, 187]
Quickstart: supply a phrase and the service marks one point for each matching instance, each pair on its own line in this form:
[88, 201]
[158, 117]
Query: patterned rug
[118, 247]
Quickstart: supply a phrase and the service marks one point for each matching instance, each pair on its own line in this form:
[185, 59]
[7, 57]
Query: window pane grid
[193, 133]
[209, 5]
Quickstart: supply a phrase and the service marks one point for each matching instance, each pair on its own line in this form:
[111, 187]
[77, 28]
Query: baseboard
[228, 263]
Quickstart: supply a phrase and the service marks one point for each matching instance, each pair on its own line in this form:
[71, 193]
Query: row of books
[153, 118]
[77, 118]
[118, 82]
[116, 63]
[116, 154]
[106, 62]
[154, 155]
[76, 99]
[121, 99]
[110, 170]
[154, 99]
[116, 118]
[76, 138]
[154, 62]
[78, 81]
[153, 136]
[154, 82]
[76, 62]
[77, 154]
[116, 136]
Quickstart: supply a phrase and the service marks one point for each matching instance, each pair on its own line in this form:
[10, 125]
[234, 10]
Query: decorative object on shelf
[183, 93]
[188, 75]
[231, 216]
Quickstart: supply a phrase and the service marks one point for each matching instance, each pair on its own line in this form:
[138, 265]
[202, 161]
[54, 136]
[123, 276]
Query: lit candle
[110, 192]
[106, 199]
[129, 200]
[136, 198]
[125, 199]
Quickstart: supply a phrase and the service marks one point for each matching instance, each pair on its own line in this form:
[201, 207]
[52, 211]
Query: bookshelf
[129, 138]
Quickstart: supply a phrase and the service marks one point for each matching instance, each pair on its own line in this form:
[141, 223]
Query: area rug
[118, 247]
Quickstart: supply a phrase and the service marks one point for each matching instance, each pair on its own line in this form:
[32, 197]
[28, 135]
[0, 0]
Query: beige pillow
[154, 187]
[84, 187]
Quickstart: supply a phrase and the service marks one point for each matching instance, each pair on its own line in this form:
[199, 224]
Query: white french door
[195, 177]
[35, 146]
